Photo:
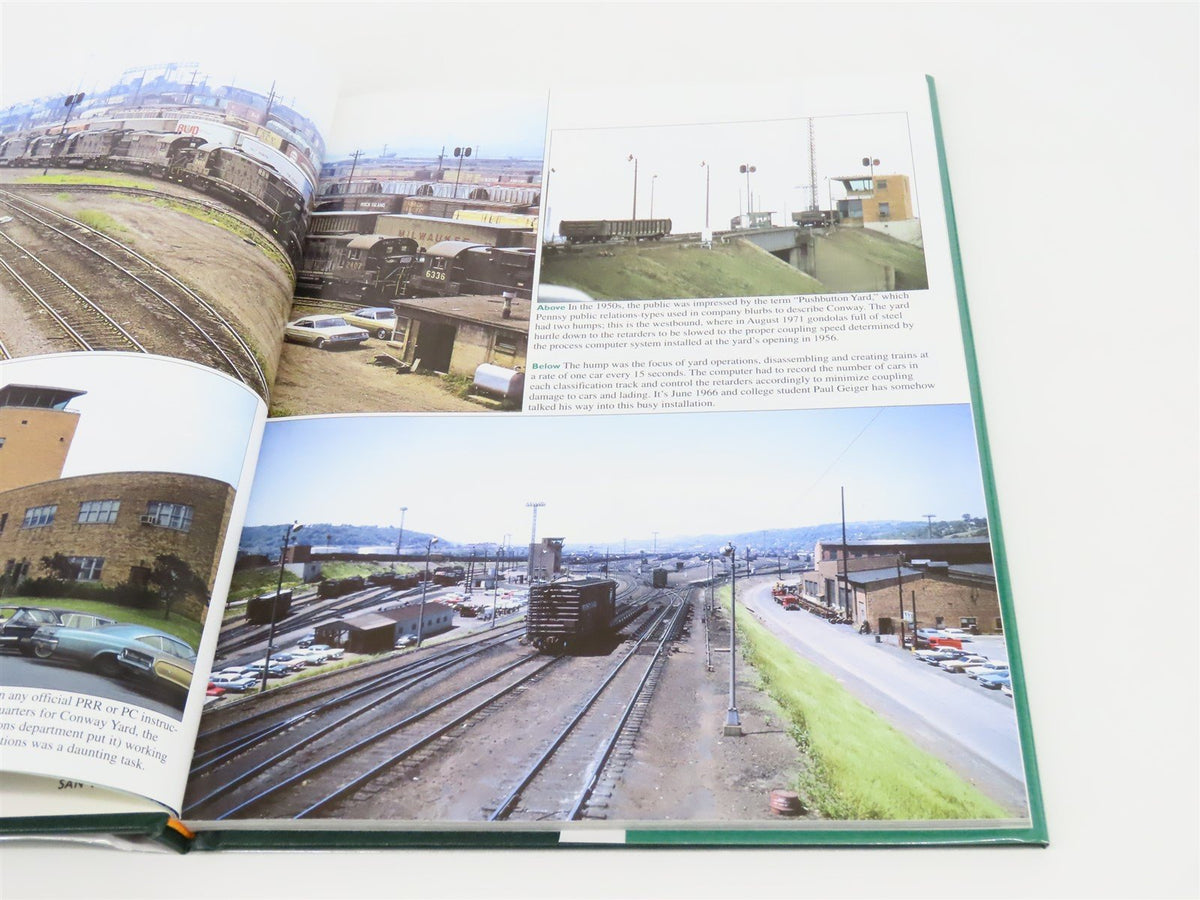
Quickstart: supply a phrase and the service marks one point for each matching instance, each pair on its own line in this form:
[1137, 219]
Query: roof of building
[473, 308]
[986, 570]
[37, 396]
[872, 576]
[413, 611]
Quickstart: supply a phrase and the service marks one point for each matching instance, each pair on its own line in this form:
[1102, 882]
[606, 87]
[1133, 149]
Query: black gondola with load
[566, 615]
[258, 609]
[593, 231]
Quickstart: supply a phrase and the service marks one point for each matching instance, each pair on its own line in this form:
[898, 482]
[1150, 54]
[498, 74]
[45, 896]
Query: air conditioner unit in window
[149, 520]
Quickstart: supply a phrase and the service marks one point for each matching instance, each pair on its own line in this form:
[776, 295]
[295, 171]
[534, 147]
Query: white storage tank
[506, 383]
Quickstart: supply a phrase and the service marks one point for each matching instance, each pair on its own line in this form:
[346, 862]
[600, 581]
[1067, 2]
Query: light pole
[707, 190]
[747, 169]
[424, 592]
[287, 539]
[462, 153]
[399, 538]
[653, 178]
[496, 583]
[633, 159]
[871, 162]
[733, 722]
[534, 505]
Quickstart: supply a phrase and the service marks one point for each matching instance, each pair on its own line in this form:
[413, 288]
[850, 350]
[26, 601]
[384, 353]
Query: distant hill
[266, 539]
[662, 271]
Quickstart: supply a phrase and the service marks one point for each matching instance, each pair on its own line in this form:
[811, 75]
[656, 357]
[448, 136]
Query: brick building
[459, 334]
[934, 594]
[833, 559]
[110, 525]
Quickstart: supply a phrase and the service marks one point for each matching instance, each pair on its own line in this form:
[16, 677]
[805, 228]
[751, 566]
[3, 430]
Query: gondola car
[592, 231]
[568, 615]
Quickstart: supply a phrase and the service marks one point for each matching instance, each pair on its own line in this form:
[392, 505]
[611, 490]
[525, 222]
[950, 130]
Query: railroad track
[559, 783]
[181, 310]
[81, 319]
[257, 234]
[331, 776]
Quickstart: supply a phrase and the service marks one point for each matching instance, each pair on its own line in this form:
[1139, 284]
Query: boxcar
[566, 615]
[258, 609]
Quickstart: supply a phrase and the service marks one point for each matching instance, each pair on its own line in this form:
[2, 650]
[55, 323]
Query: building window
[3, 521]
[967, 622]
[39, 516]
[98, 512]
[168, 515]
[885, 210]
[87, 568]
[881, 184]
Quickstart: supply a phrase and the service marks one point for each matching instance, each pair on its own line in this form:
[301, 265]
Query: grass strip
[862, 767]
[184, 629]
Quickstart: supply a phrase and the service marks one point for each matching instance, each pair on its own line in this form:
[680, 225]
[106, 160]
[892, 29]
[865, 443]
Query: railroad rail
[227, 349]
[83, 321]
[257, 234]
[540, 782]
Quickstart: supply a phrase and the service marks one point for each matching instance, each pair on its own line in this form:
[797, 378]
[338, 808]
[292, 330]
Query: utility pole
[633, 159]
[353, 166]
[733, 722]
[845, 552]
[929, 517]
[900, 592]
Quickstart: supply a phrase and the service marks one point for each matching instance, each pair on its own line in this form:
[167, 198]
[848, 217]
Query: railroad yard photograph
[110, 546]
[538, 621]
[160, 210]
[413, 293]
[821, 204]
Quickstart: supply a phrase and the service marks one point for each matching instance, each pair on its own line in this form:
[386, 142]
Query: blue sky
[609, 478]
[146, 414]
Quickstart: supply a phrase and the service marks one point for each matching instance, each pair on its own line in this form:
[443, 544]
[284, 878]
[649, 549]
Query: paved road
[973, 729]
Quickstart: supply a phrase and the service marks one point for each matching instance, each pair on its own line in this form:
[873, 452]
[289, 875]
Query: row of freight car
[241, 176]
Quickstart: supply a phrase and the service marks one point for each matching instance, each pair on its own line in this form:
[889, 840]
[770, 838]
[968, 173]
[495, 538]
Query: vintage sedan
[18, 625]
[154, 659]
[380, 321]
[324, 331]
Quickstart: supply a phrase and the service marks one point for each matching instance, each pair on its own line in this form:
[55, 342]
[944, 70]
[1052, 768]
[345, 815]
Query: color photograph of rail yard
[723, 209]
[414, 290]
[159, 209]
[553, 640]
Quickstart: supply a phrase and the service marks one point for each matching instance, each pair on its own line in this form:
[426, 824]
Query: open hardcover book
[552, 470]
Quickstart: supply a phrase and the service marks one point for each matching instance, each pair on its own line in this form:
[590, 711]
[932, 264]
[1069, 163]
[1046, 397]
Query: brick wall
[950, 597]
[126, 542]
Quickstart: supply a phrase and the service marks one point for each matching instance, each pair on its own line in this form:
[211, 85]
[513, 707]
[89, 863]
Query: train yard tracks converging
[390, 736]
[130, 303]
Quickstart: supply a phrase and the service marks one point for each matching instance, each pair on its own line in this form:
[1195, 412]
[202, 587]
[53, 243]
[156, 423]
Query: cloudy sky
[610, 478]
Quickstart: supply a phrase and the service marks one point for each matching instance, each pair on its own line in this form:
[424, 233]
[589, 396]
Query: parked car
[324, 331]
[307, 641]
[156, 659]
[82, 620]
[236, 682]
[986, 668]
[380, 321]
[407, 640]
[994, 680]
[276, 671]
[961, 664]
[292, 661]
[214, 690]
[330, 652]
[18, 625]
